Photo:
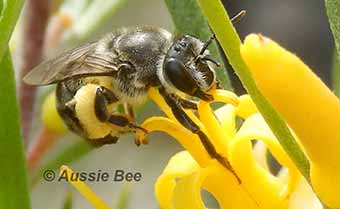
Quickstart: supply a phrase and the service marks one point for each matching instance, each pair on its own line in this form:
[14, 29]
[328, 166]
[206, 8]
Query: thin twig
[43, 143]
[35, 22]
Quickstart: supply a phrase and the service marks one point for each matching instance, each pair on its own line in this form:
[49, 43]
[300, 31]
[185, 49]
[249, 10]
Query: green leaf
[9, 15]
[188, 19]
[333, 12]
[13, 185]
[336, 74]
[93, 16]
[124, 197]
[230, 41]
[70, 154]
[68, 202]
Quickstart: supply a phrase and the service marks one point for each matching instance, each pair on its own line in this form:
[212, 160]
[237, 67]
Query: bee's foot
[138, 128]
[139, 141]
[141, 135]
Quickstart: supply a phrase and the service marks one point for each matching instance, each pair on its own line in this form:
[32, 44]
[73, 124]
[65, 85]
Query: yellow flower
[50, 116]
[83, 189]
[187, 173]
[307, 105]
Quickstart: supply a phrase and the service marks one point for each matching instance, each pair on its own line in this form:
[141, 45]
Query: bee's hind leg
[109, 139]
[104, 97]
[123, 121]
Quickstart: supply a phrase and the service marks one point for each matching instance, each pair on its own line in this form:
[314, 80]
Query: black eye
[179, 77]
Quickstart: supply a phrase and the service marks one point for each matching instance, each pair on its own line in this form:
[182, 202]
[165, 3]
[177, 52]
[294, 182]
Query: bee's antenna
[238, 16]
[207, 43]
[234, 20]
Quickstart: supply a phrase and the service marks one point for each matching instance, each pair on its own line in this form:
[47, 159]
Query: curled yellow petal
[308, 106]
[181, 183]
[273, 193]
[226, 116]
[219, 137]
[84, 189]
[246, 106]
[179, 166]
[187, 139]
[50, 116]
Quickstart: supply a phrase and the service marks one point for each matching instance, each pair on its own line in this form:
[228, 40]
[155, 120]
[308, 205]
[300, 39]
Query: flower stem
[45, 140]
[230, 42]
[37, 13]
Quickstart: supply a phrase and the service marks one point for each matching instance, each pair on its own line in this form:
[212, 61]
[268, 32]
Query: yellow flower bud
[50, 116]
[307, 105]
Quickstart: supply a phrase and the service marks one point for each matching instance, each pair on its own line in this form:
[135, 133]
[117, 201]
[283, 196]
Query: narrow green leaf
[124, 197]
[188, 19]
[336, 73]
[68, 202]
[69, 155]
[95, 14]
[9, 15]
[13, 178]
[230, 41]
[333, 12]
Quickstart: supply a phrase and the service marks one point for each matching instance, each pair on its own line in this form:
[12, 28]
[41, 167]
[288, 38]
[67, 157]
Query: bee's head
[187, 67]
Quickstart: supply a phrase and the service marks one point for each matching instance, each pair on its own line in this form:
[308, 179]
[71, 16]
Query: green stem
[13, 186]
[336, 73]
[230, 41]
[95, 14]
[9, 15]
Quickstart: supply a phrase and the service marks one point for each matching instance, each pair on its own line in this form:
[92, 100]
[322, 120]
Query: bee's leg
[202, 95]
[186, 104]
[123, 121]
[218, 85]
[128, 109]
[109, 139]
[103, 97]
[185, 120]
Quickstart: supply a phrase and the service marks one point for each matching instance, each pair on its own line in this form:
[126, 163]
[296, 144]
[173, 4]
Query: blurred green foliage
[13, 180]
[333, 12]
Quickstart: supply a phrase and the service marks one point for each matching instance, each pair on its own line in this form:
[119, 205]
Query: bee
[118, 69]
[93, 79]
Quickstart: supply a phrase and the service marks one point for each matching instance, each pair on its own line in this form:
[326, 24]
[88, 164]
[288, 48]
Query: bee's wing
[78, 62]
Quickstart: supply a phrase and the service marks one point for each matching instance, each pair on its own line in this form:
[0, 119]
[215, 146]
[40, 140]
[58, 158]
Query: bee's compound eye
[179, 77]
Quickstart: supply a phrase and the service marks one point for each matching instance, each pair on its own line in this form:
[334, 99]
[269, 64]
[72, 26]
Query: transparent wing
[78, 62]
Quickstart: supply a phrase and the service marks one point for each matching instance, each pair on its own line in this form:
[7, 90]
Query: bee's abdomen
[66, 108]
